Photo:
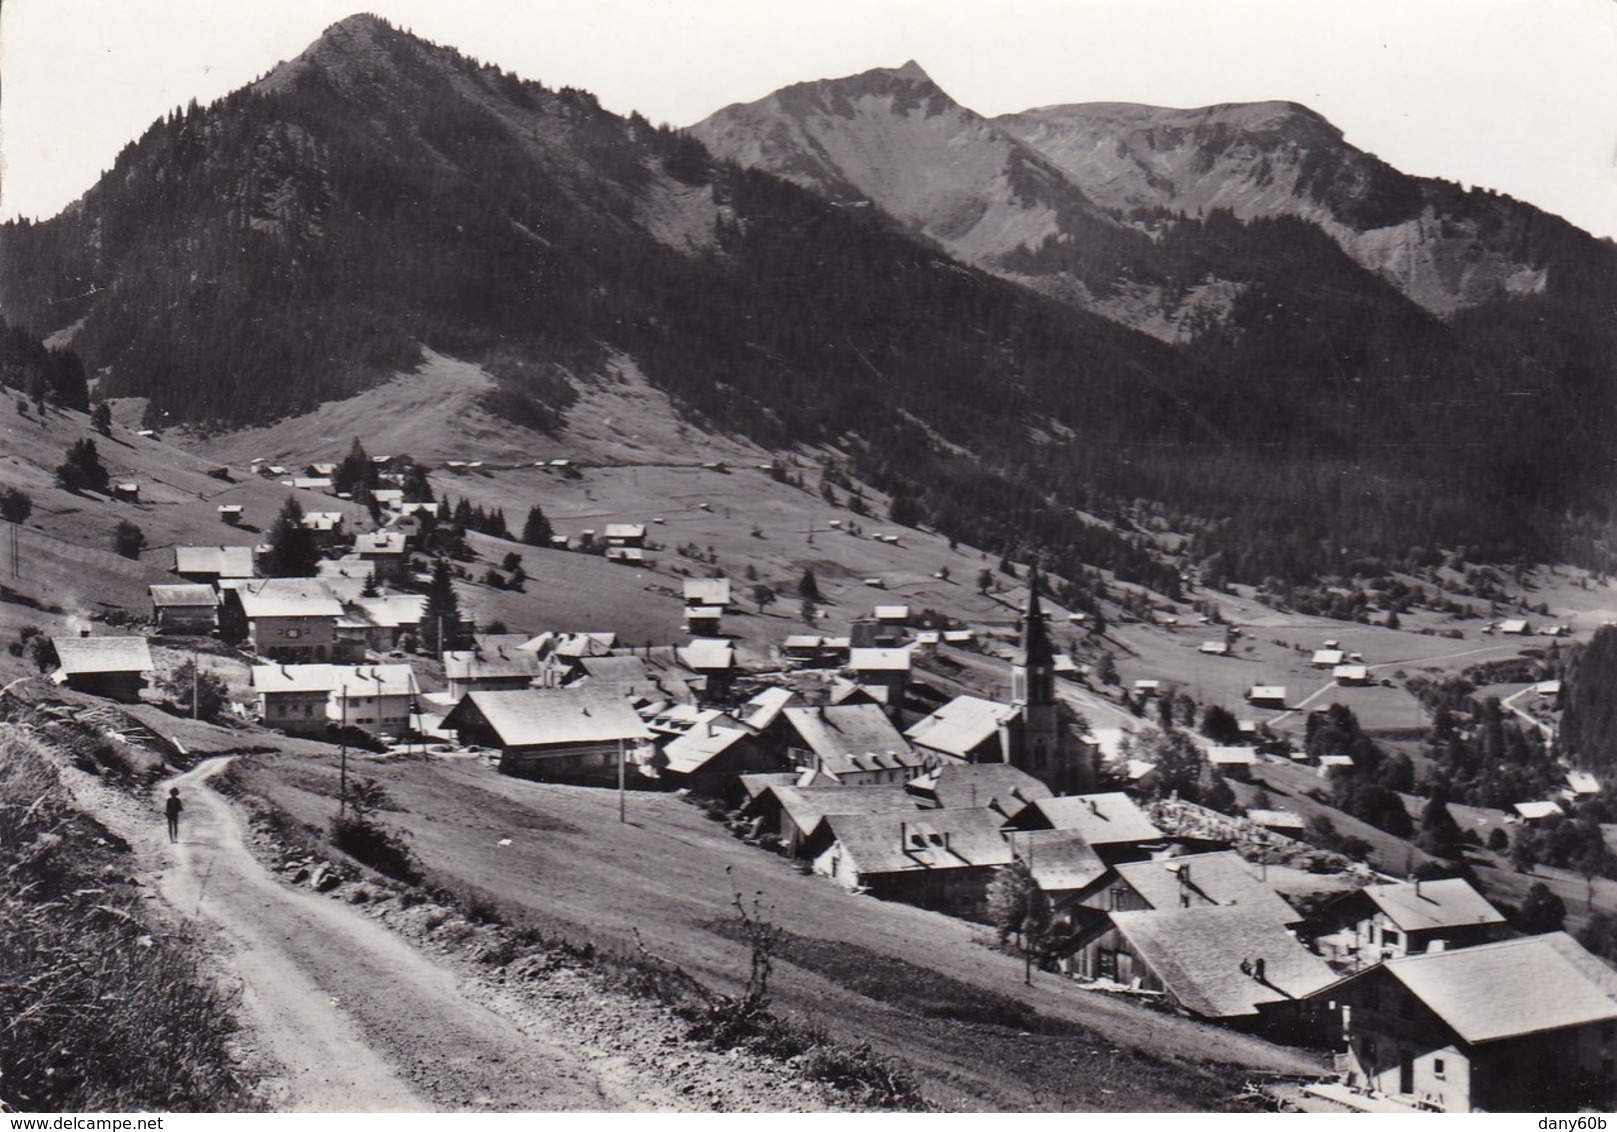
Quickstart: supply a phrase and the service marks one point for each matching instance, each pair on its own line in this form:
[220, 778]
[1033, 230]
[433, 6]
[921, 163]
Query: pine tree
[536, 531]
[442, 608]
[356, 474]
[808, 587]
[292, 552]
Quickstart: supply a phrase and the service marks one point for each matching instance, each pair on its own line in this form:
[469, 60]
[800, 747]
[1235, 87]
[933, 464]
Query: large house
[797, 814]
[498, 669]
[849, 745]
[939, 859]
[967, 729]
[114, 667]
[708, 758]
[383, 551]
[294, 697]
[554, 734]
[1111, 823]
[995, 786]
[1528, 1024]
[285, 619]
[373, 697]
[1390, 921]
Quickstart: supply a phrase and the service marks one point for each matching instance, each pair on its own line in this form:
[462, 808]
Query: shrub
[371, 844]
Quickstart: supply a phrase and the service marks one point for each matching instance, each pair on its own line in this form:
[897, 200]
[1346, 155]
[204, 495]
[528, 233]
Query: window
[292, 634]
[1439, 1070]
[1119, 897]
[1391, 938]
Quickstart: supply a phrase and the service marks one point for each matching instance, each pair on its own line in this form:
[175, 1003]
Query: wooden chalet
[553, 734]
[112, 667]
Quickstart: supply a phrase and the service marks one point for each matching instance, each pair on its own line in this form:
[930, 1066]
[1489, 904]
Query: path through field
[360, 1020]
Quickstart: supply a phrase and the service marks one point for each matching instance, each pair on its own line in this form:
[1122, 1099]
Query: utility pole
[623, 803]
[342, 795]
[196, 664]
[1027, 927]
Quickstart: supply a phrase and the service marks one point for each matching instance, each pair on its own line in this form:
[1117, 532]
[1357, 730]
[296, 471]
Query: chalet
[310, 483]
[967, 729]
[185, 610]
[1267, 696]
[208, 565]
[993, 786]
[230, 513]
[1214, 648]
[894, 616]
[1284, 822]
[882, 668]
[1581, 785]
[1351, 675]
[1233, 762]
[113, 667]
[1523, 1025]
[1549, 689]
[285, 619]
[1230, 963]
[629, 677]
[383, 551]
[1516, 628]
[553, 734]
[627, 535]
[797, 814]
[324, 522]
[1389, 921]
[943, 859]
[1111, 822]
[1198, 880]
[849, 745]
[1328, 658]
[390, 498]
[766, 707]
[373, 697]
[294, 697]
[626, 555]
[958, 638]
[388, 617]
[1060, 862]
[704, 620]
[712, 658]
[500, 669]
[708, 592]
[1147, 688]
[321, 468]
[801, 647]
[1330, 764]
[127, 491]
[707, 759]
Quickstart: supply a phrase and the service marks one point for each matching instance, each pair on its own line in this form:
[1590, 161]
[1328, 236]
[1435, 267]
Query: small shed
[114, 667]
[188, 609]
[230, 513]
[1267, 696]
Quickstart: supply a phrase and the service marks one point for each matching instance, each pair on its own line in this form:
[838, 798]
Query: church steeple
[1036, 650]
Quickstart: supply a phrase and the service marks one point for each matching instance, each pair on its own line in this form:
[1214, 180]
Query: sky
[1514, 95]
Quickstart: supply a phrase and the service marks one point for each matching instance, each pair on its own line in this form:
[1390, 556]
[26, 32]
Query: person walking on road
[173, 810]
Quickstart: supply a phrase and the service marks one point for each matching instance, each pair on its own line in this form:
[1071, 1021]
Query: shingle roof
[379, 542]
[808, 806]
[700, 745]
[392, 611]
[841, 730]
[998, 786]
[625, 530]
[551, 716]
[1447, 903]
[173, 597]
[1059, 859]
[225, 561]
[1206, 879]
[707, 591]
[910, 842]
[489, 664]
[1520, 986]
[288, 597]
[765, 707]
[90, 656]
[1103, 819]
[707, 653]
[273, 678]
[961, 725]
[1197, 954]
[1533, 811]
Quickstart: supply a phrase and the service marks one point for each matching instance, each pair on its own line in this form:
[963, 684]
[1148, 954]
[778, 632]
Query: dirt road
[360, 1020]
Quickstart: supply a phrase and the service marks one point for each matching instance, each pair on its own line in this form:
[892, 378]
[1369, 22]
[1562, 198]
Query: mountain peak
[913, 72]
[352, 46]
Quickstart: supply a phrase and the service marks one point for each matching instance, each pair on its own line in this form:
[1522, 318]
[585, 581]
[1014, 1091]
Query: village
[869, 758]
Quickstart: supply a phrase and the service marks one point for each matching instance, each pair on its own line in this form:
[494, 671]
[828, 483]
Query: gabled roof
[175, 597]
[225, 561]
[706, 654]
[1103, 819]
[885, 843]
[392, 611]
[808, 806]
[1232, 756]
[373, 680]
[92, 656]
[961, 725]
[1535, 811]
[575, 645]
[707, 591]
[536, 717]
[625, 530]
[270, 679]
[322, 520]
[699, 746]
[288, 597]
[764, 708]
[1328, 658]
[1059, 859]
[1447, 903]
[879, 660]
[1508, 989]
[490, 664]
[617, 670]
[892, 613]
[997, 786]
[841, 731]
[1197, 954]
[1582, 782]
[1266, 692]
[1204, 879]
